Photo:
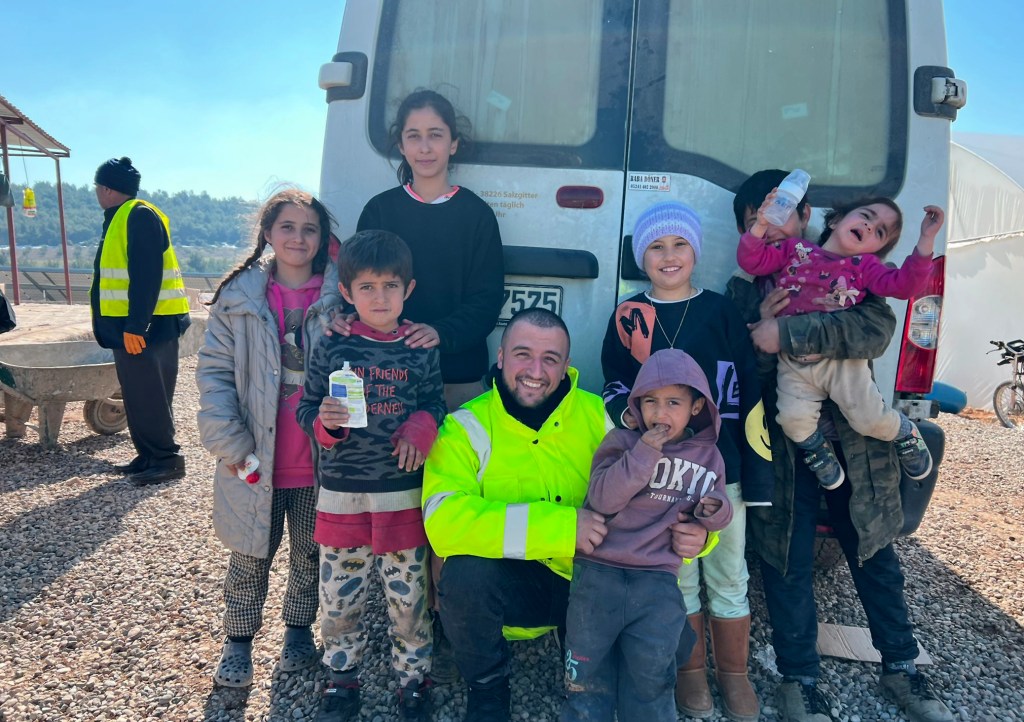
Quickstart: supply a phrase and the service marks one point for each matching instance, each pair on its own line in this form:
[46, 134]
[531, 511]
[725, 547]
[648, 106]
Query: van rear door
[722, 89]
[545, 86]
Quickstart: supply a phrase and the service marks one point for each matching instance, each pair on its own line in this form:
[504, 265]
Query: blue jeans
[479, 596]
[623, 630]
[790, 597]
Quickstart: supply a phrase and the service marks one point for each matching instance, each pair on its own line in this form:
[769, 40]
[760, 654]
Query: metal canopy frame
[21, 138]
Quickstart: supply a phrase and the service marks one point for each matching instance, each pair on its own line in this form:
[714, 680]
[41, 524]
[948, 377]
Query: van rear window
[529, 74]
[721, 88]
[739, 86]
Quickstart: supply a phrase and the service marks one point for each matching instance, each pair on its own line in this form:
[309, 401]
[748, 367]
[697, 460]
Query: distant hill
[196, 218]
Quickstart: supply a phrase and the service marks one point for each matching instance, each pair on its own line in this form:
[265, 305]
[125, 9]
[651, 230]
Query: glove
[134, 343]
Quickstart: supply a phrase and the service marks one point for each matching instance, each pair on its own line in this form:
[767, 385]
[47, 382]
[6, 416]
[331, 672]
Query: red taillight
[921, 334]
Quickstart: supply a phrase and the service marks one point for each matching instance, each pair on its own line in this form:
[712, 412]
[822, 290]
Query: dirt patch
[979, 415]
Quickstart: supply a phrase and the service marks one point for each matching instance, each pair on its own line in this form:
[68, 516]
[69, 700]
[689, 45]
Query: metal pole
[16, 295]
[63, 232]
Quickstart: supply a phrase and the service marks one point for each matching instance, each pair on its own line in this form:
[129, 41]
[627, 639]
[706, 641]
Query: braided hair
[265, 218]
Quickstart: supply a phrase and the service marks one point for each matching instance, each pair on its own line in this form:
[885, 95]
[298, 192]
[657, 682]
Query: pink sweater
[822, 281]
[293, 458]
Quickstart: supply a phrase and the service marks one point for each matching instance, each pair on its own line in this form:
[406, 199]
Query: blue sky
[222, 96]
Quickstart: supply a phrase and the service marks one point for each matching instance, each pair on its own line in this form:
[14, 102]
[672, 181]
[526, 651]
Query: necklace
[672, 341]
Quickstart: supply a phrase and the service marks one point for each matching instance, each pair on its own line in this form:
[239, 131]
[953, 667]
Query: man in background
[139, 310]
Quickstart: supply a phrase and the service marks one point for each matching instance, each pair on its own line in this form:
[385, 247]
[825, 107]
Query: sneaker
[339, 703]
[414, 700]
[821, 458]
[798, 702]
[911, 450]
[915, 697]
[443, 669]
[490, 704]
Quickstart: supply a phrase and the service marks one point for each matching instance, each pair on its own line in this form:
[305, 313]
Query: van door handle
[344, 78]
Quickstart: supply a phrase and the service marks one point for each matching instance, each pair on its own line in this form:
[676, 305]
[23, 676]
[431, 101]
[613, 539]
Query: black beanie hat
[119, 175]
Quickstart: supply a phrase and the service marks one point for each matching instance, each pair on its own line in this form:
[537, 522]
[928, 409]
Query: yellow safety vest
[114, 269]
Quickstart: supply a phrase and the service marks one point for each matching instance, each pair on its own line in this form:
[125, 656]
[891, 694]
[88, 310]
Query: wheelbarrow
[49, 375]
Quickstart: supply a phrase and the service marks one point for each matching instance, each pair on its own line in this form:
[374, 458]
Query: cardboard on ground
[836, 640]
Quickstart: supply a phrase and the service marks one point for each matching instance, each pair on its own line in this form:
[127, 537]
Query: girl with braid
[264, 320]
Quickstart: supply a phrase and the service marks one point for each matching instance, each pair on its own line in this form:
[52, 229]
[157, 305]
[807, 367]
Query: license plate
[519, 296]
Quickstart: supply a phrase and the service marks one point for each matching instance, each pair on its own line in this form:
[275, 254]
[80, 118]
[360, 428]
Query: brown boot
[730, 644]
[693, 697]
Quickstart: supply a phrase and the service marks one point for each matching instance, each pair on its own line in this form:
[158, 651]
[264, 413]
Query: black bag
[7, 319]
[6, 197]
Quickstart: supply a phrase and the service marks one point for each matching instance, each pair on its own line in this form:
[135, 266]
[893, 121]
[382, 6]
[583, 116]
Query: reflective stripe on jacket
[495, 488]
[114, 280]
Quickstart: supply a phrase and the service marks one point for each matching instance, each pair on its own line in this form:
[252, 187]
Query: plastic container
[347, 386]
[791, 191]
[247, 471]
[28, 206]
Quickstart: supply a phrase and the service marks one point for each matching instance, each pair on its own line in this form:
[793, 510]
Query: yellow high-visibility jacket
[495, 488]
[113, 277]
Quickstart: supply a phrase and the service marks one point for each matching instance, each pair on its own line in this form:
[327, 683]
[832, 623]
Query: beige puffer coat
[239, 377]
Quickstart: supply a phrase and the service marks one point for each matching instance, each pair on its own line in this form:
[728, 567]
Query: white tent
[984, 295]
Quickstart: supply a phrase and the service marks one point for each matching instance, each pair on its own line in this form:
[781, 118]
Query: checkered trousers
[247, 581]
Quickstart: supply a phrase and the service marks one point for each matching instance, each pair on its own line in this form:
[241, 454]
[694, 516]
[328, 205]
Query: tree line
[208, 233]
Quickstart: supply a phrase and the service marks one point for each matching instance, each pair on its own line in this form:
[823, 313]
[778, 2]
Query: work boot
[166, 471]
[915, 697]
[489, 704]
[132, 467]
[799, 702]
[821, 458]
[693, 696]
[730, 644]
[911, 450]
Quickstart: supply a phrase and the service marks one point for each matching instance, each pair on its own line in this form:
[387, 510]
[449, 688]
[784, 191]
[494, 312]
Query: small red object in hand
[252, 478]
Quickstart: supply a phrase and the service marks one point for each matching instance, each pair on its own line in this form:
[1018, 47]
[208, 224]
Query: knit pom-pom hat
[669, 218]
[120, 175]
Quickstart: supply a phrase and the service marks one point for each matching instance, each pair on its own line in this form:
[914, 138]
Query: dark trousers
[479, 596]
[147, 387]
[790, 597]
[623, 630]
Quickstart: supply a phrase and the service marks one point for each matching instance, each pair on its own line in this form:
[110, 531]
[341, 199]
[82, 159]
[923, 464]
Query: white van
[586, 112]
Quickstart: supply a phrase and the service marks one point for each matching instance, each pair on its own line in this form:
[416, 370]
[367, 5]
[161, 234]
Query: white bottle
[247, 471]
[347, 386]
[791, 191]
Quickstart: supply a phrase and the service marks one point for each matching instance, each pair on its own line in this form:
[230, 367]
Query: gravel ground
[110, 596]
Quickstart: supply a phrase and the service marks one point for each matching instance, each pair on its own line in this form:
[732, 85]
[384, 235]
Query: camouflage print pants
[344, 586]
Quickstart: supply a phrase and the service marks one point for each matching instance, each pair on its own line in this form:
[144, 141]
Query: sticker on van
[661, 182]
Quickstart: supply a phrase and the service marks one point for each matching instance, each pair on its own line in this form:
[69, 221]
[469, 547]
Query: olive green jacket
[861, 332]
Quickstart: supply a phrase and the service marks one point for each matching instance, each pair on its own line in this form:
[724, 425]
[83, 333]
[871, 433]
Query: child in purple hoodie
[626, 613]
